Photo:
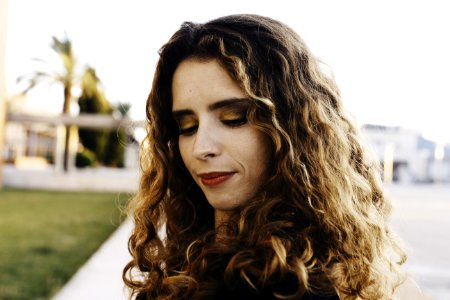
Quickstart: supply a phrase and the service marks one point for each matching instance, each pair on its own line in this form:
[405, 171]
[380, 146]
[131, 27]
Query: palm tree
[65, 77]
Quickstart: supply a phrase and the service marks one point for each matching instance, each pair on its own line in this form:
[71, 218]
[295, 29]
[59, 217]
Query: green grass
[46, 236]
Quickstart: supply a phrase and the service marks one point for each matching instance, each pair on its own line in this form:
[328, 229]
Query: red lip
[215, 178]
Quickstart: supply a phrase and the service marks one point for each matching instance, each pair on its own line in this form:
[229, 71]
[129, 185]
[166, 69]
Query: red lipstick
[215, 178]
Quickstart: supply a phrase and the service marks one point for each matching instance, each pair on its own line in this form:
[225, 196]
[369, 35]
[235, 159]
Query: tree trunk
[66, 110]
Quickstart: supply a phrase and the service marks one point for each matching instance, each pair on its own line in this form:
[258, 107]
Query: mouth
[215, 178]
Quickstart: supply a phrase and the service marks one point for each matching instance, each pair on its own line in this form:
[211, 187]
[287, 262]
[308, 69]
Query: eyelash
[188, 131]
[233, 123]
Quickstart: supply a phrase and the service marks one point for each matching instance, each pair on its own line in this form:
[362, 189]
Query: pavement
[421, 217]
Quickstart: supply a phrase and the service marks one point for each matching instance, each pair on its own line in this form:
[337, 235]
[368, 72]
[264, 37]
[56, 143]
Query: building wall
[25, 139]
[413, 159]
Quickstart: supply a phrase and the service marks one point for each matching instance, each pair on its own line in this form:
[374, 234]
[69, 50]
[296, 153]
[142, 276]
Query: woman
[255, 183]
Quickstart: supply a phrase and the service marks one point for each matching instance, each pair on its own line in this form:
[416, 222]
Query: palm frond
[35, 78]
[39, 60]
[62, 46]
[124, 108]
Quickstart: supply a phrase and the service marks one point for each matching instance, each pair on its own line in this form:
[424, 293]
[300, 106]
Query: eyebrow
[213, 106]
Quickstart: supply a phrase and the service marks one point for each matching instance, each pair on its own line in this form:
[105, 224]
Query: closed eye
[188, 130]
[235, 122]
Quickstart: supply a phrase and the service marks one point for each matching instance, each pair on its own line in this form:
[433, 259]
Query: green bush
[85, 158]
[115, 155]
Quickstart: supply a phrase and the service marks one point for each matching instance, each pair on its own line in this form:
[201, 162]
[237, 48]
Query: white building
[406, 156]
[39, 139]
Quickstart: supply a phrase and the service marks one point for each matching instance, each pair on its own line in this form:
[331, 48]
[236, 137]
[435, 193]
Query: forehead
[202, 81]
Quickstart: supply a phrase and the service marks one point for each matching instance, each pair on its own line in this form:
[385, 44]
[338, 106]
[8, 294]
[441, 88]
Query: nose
[206, 143]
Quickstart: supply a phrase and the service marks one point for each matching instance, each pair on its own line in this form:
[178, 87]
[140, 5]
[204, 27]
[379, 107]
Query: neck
[220, 218]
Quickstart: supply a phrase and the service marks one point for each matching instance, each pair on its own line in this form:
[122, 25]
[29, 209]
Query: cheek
[183, 148]
[257, 151]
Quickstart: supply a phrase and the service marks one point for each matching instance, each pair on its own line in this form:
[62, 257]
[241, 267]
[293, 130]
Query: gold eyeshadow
[186, 122]
[234, 112]
[232, 115]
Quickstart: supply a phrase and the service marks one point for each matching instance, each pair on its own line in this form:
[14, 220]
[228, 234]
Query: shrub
[85, 158]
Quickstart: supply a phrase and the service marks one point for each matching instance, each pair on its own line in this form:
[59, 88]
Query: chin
[225, 205]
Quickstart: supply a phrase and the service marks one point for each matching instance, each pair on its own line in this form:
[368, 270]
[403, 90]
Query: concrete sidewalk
[101, 277]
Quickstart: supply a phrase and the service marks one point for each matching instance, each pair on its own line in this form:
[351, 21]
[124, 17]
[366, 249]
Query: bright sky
[391, 59]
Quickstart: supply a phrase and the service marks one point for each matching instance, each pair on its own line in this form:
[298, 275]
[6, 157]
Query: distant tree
[115, 156]
[118, 139]
[64, 77]
[107, 145]
[93, 101]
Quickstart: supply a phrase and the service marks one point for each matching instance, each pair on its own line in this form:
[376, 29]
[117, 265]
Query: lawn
[46, 236]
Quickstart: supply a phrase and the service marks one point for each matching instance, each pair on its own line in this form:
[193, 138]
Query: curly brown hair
[320, 224]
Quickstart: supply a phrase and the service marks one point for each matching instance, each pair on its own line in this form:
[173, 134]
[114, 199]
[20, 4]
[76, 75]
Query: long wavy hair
[320, 225]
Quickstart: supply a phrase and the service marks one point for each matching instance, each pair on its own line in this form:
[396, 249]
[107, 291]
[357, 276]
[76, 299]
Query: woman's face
[226, 156]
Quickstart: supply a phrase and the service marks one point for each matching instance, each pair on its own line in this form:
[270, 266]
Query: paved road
[421, 217]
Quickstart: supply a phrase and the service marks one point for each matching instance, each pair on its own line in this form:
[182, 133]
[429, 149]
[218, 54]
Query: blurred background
[74, 78]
